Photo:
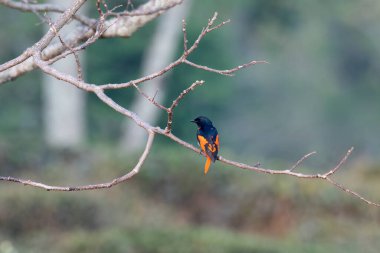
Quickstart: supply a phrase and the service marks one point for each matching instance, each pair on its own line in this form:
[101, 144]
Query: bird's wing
[209, 144]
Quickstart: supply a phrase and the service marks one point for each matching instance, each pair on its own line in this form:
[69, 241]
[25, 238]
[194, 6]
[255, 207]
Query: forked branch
[38, 56]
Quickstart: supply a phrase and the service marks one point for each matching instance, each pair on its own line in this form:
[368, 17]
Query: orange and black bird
[208, 140]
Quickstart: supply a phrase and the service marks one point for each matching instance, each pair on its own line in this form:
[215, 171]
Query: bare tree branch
[227, 72]
[47, 38]
[355, 194]
[137, 18]
[301, 160]
[183, 59]
[36, 7]
[340, 163]
[142, 12]
[77, 61]
[151, 99]
[36, 56]
[175, 103]
[185, 41]
[114, 182]
[114, 27]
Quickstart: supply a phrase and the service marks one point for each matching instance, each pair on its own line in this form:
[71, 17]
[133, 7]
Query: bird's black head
[202, 122]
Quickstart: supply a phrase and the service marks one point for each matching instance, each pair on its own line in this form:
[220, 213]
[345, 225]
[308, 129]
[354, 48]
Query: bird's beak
[192, 121]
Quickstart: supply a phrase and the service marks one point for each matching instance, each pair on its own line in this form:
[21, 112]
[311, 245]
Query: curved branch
[36, 52]
[301, 160]
[151, 130]
[288, 172]
[43, 65]
[227, 72]
[109, 184]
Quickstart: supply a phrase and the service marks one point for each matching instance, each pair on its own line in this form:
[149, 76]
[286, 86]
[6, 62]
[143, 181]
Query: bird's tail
[207, 164]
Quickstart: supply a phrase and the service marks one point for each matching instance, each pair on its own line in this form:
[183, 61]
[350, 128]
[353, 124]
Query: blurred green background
[320, 91]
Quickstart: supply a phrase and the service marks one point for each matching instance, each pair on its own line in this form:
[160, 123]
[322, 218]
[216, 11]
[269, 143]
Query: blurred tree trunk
[63, 104]
[160, 53]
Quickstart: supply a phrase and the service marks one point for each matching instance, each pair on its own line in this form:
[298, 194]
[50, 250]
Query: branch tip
[301, 160]
[91, 31]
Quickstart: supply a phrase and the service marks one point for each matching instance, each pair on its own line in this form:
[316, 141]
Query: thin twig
[46, 39]
[353, 193]
[88, 34]
[151, 99]
[219, 25]
[36, 52]
[175, 103]
[341, 162]
[114, 182]
[227, 72]
[98, 8]
[185, 41]
[76, 57]
[183, 59]
[151, 129]
[43, 8]
[301, 160]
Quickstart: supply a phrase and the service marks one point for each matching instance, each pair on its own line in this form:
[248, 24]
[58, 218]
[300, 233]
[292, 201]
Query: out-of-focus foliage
[172, 207]
[320, 91]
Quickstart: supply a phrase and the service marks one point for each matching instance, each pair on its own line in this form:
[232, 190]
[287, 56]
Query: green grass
[185, 239]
